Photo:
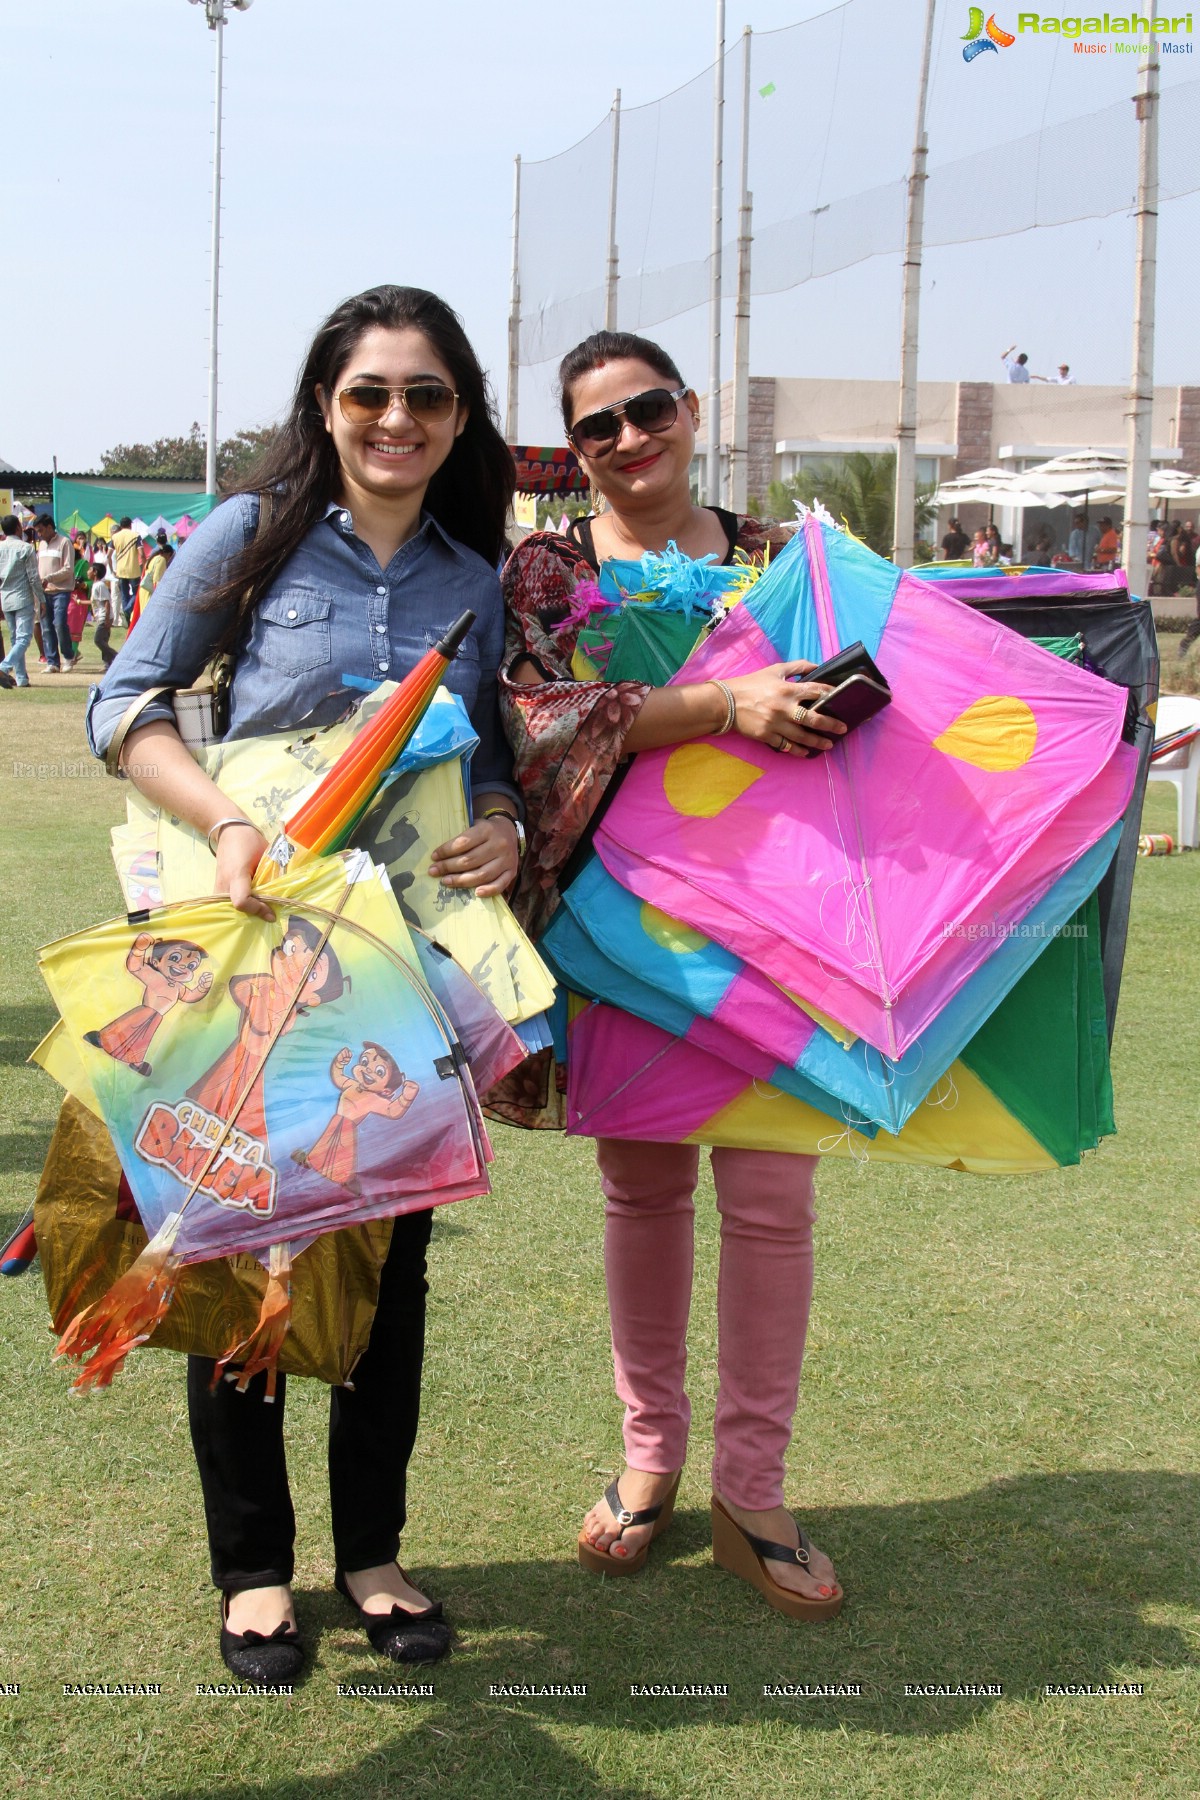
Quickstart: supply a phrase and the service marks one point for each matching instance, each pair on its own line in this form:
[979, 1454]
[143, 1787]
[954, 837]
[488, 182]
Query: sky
[366, 140]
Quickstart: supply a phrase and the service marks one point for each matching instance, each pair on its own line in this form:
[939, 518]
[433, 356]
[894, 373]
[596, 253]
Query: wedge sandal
[739, 1551]
[603, 1562]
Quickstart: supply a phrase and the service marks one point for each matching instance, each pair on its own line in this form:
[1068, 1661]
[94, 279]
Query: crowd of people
[54, 584]
[1092, 545]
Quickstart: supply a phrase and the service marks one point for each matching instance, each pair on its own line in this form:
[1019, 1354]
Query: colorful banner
[548, 469]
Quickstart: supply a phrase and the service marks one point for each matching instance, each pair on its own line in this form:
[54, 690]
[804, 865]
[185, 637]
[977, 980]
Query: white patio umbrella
[1079, 472]
[1167, 485]
[994, 487]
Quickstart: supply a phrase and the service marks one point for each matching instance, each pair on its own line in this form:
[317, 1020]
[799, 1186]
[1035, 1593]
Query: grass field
[997, 1441]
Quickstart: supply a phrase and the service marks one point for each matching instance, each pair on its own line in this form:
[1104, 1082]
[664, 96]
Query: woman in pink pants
[632, 423]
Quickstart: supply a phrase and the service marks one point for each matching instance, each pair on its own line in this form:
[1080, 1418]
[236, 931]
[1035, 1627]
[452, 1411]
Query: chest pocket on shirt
[293, 630]
[468, 650]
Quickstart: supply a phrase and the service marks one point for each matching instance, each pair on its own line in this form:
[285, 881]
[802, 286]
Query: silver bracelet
[731, 703]
[214, 831]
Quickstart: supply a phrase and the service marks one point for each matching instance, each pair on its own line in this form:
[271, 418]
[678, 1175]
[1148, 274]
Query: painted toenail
[825, 1592]
[619, 1550]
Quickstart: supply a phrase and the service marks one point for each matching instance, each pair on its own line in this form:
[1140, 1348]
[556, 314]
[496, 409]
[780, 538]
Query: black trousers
[238, 1441]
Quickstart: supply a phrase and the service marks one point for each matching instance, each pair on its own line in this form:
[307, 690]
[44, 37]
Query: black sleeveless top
[579, 532]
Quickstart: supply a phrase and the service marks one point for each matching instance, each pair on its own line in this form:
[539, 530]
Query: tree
[183, 458]
[178, 457]
[553, 506]
[858, 489]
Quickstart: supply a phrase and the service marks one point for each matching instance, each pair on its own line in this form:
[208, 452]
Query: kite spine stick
[827, 625]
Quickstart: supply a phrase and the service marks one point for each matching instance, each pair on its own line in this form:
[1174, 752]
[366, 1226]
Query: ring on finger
[800, 714]
[784, 745]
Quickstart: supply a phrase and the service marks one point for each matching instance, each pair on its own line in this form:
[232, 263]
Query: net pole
[610, 292]
[903, 548]
[514, 313]
[712, 483]
[739, 446]
[1139, 415]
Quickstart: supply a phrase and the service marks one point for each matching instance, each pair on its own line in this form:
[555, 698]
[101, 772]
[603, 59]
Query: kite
[321, 1015]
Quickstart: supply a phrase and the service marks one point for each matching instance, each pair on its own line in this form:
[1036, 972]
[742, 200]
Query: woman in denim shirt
[390, 484]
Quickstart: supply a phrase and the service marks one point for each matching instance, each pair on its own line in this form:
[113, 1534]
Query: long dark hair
[610, 346]
[470, 494]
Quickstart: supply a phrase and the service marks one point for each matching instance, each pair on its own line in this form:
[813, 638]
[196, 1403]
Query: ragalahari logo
[980, 37]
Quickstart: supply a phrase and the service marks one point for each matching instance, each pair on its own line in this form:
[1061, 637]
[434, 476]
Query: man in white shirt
[21, 597]
[1082, 541]
[1014, 366]
[1064, 378]
[56, 567]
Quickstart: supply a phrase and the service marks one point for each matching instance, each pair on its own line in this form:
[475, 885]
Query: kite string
[947, 1100]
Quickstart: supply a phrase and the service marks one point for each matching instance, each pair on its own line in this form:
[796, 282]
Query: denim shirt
[331, 611]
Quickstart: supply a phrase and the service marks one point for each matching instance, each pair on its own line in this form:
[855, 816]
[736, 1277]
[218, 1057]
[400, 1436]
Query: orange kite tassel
[259, 1353]
[122, 1319]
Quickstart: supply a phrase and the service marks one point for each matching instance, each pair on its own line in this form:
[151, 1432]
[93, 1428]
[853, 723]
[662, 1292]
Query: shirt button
[381, 628]
[383, 668]
[381, 590]
[292, 613]
[345, 518]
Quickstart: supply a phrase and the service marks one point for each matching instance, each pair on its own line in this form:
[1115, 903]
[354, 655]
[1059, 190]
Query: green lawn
[997, 1441]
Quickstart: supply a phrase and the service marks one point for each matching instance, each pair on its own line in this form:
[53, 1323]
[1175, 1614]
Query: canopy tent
[95, 501]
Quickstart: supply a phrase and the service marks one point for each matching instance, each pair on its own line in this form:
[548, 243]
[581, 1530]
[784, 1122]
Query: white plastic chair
[1181, 767]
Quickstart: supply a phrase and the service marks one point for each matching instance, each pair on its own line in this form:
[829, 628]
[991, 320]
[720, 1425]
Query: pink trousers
[765, 1200]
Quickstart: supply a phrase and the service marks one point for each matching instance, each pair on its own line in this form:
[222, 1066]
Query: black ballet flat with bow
[268, 1659]
[405, 1637]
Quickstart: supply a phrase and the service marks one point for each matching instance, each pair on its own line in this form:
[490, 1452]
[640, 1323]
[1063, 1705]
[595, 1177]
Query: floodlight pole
[1140, 411]
[713, 467]
[903, 547]
[215, 14]
[216, 20]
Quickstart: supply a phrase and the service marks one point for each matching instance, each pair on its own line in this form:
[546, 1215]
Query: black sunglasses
[656, 410]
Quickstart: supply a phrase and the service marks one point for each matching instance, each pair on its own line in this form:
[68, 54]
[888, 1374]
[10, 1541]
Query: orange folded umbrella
[328, 817]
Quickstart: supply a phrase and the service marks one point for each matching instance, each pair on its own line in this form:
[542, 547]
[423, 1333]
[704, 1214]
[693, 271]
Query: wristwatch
[501, 812]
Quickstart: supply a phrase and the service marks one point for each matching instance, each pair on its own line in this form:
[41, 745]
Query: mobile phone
[853, 701]
[853, 660]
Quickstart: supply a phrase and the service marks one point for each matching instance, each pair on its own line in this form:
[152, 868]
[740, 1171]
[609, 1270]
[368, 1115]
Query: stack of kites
[241, 1088]
[908, 948]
